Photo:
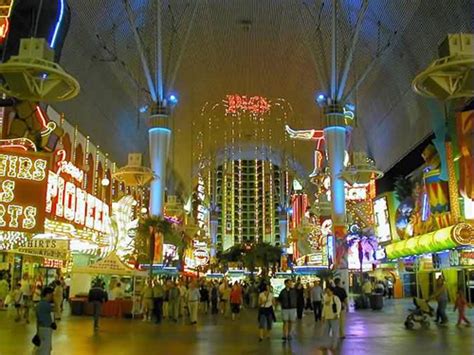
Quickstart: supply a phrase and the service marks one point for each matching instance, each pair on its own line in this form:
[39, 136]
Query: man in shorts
[287, 299]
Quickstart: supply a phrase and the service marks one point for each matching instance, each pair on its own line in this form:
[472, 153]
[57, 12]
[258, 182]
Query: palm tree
[234, 254]
[266, 254]
[146, 233]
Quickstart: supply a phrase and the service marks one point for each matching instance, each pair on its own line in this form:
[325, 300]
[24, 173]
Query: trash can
[77, 307]
[376, 301]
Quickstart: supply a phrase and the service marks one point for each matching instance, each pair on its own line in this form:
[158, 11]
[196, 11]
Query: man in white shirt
[193, 302]
[183, 294]
[316, 299]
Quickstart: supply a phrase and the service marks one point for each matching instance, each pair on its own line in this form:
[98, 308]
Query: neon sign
[5, 12]
[53, 263]
[254, 104]
[201, 209]
[68, 202]
[382, 220]
[58, 24]
[22, 191]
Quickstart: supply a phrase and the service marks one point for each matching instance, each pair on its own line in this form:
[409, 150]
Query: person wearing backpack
[331, 312]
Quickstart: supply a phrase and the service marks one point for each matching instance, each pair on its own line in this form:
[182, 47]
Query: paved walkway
[368, 332]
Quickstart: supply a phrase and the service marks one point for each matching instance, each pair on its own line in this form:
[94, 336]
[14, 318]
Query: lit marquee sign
[382, 220]
[201, 208]
[236, 104]
[68, 202]
[354, 192]
[22, 191]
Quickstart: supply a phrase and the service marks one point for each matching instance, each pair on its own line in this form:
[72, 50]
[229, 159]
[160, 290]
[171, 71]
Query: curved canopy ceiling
[273, 48]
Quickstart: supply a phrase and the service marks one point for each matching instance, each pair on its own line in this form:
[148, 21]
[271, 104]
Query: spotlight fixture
[321, 100]
[105, 182]
[172, 99]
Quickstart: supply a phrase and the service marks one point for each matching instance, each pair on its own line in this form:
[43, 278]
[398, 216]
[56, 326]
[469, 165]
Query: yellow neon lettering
[29, 221]
[12, 168]
[90, 211]
[80, 207]
[3, 164]
[69, 201]
[14, 211]
[60, 202]
[98, 216]
[24, 169]
[7, 195]
[52, 191]
[40, 170]
[2, 214]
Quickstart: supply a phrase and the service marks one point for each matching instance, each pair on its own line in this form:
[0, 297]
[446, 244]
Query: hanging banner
[158, 254]
[23, 182]
[465, 132]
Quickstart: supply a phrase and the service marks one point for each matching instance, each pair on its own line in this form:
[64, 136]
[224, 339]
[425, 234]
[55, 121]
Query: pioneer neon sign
[68, 202]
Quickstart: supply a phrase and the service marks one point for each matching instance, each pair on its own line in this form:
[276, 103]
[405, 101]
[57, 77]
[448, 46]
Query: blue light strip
[58, 24]
[159, 129]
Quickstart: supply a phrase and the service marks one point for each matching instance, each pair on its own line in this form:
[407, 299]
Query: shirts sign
[23, 182]
[49, 248]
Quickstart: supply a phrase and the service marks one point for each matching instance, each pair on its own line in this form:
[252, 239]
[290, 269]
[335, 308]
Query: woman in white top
[265, 312]
[26, 292]
[331, 312]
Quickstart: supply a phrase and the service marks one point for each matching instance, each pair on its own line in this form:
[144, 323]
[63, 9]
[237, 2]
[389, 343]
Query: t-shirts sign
[23, 182]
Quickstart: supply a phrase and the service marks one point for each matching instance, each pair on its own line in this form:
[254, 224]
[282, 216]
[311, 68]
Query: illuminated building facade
[248, 196]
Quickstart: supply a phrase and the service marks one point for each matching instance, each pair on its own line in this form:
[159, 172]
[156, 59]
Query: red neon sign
[5, 12]
[256, 105]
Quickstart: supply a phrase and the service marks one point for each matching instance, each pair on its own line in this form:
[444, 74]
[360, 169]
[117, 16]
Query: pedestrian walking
[341, 293]
[265, 313]
[173, 302]
[307, 297]
[183, 299]
[204, 298]
[235, 299]
[225, 299]
[58, 295]
[44, 322]
[166, 288]
[460, 305]
[332, 310]
[389, 288]
[367, 290]
[16, 298]
[193, 302]
[214, 298]
[287, 299]
[117, 294]
[97, 296]
[3, 291]
[26, 294]
[147, 301]
[316, 300]
[299, 300]
[37, 295]
[441, 296]
[158, 296]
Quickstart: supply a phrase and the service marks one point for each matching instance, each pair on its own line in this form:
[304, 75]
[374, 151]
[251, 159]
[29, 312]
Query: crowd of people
[25, 294]
[173, 299]
[189, 299]
[31, 295]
